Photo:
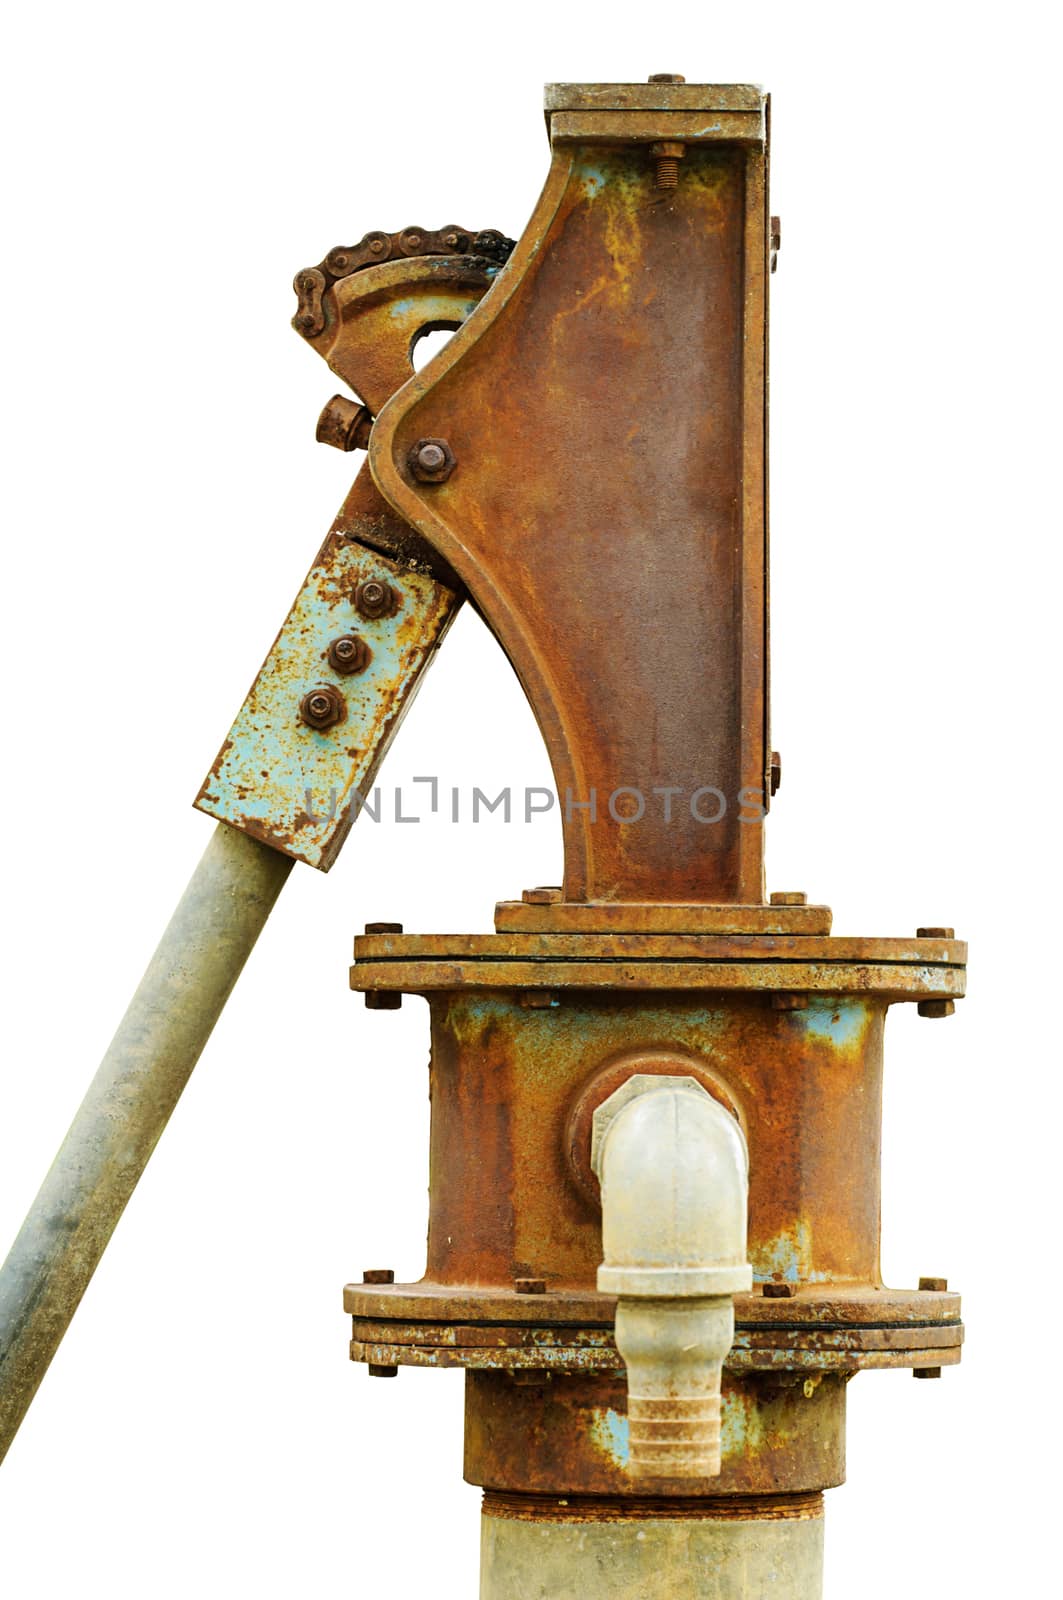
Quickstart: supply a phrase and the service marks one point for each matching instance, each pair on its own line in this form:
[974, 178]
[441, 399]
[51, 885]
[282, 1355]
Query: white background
[168, 169]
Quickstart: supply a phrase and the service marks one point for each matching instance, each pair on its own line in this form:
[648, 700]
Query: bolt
[666, 77]
[542, 896]
[431, 460]
[538, 999]
[383, 927]
[322, 708]
[383, 1000]
[935, 933]
[375, 598]
[344, 424]
[529, 1285]
[349, 654]
[789, 897]
[668, 153]
[936, 1008]
[378, 1275]
[926, 1372]
[789, 1002]
[778, 1291]
[938, 1285]
[775, 241]
[776, 772]
[377, 1371]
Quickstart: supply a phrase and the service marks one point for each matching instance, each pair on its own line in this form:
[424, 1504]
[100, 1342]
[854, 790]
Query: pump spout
[674, 1174]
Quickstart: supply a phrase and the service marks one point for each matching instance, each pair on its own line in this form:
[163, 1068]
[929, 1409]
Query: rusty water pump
[585, 462]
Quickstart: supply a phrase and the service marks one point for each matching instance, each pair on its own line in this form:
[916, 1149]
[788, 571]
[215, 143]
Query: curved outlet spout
[674, 1173]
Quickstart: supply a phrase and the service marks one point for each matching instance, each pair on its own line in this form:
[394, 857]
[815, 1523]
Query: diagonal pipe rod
[129, 1102]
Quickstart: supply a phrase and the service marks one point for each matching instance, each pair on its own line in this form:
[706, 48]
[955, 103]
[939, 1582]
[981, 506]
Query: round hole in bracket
[429, 341]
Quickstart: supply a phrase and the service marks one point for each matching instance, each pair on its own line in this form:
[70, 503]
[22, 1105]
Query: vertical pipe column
[619, 1549]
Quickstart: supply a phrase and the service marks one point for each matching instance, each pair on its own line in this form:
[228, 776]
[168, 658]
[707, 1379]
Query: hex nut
[529, 1285]
[431, 460]
[936, 1008]
[383, 1000]
[375, 598]
[378, 1275]
[322, 707]
[349, 654]
[789, 897]
[543, 896]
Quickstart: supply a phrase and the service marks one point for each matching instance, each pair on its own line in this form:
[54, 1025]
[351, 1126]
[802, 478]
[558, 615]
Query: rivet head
[349, 654]
[666, 77]
[323, 707]
[431, 460]
[375, 598]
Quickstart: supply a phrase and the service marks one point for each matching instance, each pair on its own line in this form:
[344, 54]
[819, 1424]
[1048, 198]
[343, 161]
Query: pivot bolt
[322, 708]
[431, 460]
[344, 424]
[375, 598]
[348, 654]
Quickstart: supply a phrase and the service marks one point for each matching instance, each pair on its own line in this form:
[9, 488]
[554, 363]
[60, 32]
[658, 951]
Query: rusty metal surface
[626, 916]
[552, 1348]
[656, 95]
[605, 405]
[888, 980]
[295, 780]
[779, 1434]
[504, 1080]
[554, 947]
[812, 1305]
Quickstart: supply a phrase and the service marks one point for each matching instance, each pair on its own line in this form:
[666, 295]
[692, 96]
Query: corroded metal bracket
[301, 756]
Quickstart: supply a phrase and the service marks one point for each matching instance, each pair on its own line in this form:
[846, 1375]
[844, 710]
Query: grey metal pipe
[129, 1102]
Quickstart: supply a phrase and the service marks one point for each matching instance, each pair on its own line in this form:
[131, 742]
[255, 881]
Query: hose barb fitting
[674, 1173]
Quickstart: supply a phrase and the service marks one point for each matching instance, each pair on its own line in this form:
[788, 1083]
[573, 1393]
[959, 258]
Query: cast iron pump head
[654, 1231]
